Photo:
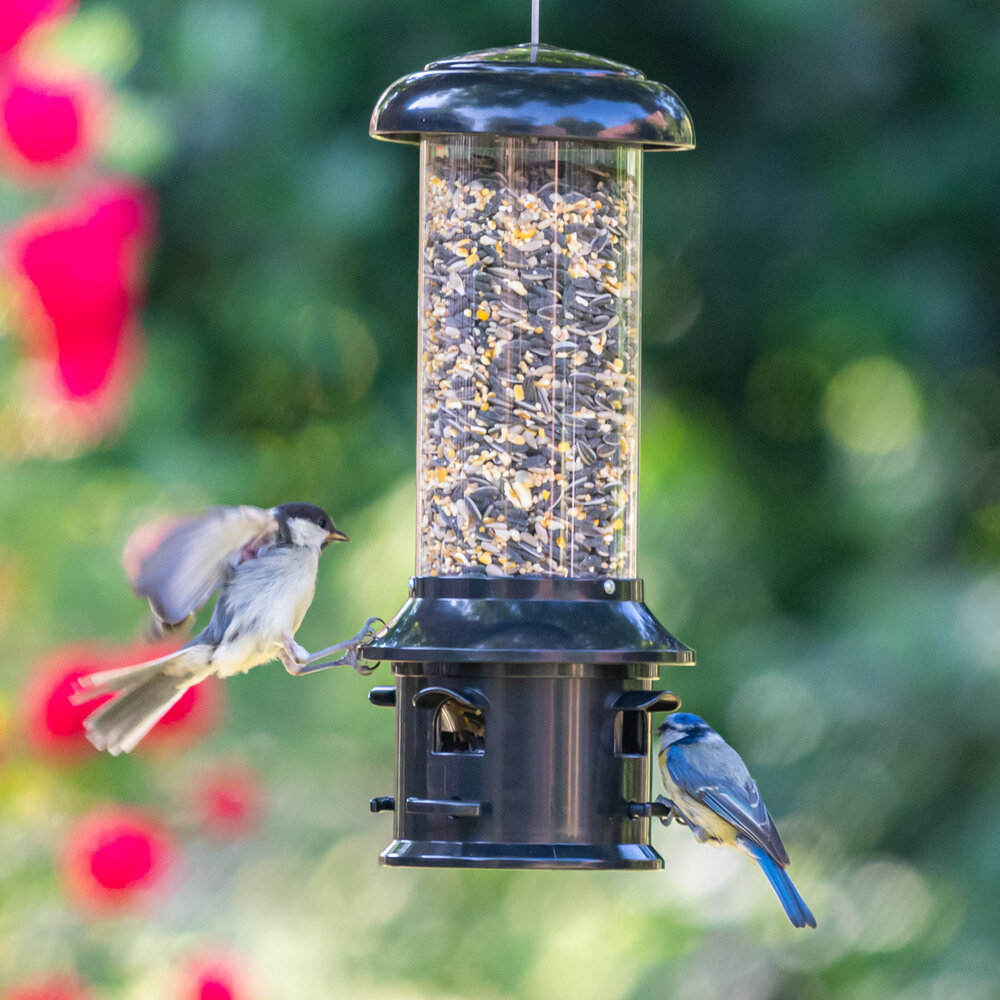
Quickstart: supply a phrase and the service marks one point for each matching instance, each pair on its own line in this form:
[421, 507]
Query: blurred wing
[179, 564]
[715, 775]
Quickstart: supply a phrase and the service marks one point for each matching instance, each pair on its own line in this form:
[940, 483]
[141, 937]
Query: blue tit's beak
[337, 536]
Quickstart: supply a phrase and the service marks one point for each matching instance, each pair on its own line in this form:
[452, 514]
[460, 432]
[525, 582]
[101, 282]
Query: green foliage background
[820, 498]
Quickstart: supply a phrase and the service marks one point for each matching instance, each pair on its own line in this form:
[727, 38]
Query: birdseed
[529, 366]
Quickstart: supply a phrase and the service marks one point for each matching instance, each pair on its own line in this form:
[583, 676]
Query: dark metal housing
[525, 743]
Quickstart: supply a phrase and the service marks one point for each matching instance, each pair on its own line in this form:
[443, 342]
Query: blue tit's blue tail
[795, 907]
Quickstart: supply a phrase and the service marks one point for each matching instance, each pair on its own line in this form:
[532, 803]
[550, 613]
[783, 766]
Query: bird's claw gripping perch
[299, 661]
[668, 812]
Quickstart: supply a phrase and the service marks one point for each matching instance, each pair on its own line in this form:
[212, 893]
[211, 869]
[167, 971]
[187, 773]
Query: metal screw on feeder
[525, 658]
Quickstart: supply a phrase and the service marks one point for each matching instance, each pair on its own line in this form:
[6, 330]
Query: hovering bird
[709, 789]
[263, 563]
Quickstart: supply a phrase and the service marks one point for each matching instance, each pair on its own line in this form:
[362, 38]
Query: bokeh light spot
[125, 859]
[228, 799]
[53, 724]
[211, 977]
[873, 406]
[99, 39]
[777, 718]
[43, 121]
[977, 624]
[894, 903]
[114, 856]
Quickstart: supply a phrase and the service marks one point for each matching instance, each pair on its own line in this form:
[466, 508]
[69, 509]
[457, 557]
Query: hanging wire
[534, 30]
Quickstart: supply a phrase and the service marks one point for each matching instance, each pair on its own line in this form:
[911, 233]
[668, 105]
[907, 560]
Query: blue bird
[709, 789]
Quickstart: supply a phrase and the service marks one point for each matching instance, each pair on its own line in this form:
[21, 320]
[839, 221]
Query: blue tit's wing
[714, 774]
[178, 565]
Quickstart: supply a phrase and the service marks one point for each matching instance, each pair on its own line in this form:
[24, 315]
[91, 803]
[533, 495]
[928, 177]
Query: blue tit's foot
[670, 814]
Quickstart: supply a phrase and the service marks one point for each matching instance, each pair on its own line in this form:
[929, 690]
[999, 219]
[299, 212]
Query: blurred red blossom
[193, 717]
[53, 722]
[211, 977]
[115, 856]
[48, 988]
[44, 123]
[17, 17]
[81, 285]
[228, 799]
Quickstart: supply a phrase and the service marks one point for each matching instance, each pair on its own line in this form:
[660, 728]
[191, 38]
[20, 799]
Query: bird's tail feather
[794, 905]
[121, 678]
[119, 725]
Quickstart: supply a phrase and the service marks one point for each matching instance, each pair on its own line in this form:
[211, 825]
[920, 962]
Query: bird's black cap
[307, 511]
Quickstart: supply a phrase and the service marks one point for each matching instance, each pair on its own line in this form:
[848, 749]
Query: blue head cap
[683, 722]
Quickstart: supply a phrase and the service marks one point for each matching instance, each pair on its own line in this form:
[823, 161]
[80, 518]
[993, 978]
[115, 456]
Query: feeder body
[529, 357]
[524, 660]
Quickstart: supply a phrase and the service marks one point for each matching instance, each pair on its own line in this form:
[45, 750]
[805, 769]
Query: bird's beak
[337, 536]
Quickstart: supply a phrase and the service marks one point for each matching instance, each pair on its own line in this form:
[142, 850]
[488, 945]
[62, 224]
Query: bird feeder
[525, 660]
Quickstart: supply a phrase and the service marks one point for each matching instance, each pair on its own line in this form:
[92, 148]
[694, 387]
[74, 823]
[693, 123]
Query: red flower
[49, 988]
[193, 717]
[79, 274]
[116, 856]
[228, 799]
[17, 17]
[53, 722]
[45, 123]
[214, 977]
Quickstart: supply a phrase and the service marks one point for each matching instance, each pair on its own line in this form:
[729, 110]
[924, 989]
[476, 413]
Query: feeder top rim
[548, 57]
[534, 91]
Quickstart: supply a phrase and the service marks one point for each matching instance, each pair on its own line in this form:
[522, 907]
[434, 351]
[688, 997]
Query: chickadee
[264, 565]
[709, 790]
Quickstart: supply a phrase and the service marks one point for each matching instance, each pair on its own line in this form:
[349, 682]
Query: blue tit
[709, 789]
[263, 563]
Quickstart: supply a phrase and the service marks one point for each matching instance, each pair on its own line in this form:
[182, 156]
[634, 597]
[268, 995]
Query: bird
[263, 563]
[709, 790]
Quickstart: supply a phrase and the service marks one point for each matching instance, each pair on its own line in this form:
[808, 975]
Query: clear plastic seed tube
[529, 358]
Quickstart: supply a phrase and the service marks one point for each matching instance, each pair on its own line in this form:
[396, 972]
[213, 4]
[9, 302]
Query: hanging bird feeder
[525, 660]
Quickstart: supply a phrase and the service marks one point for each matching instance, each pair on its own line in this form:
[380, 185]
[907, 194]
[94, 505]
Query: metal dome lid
[534, 90]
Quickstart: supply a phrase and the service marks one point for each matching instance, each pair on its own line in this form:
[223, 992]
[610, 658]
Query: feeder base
[459, 854]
